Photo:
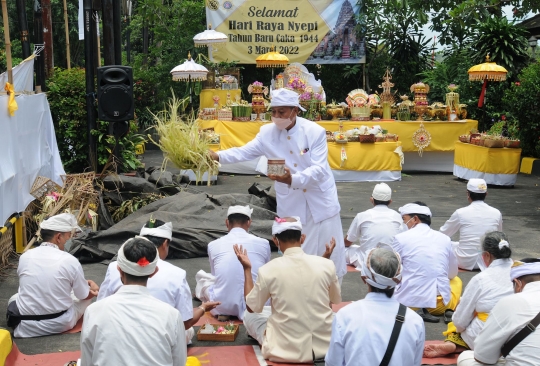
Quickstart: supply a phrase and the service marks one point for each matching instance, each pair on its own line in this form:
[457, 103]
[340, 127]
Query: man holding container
[307, 188]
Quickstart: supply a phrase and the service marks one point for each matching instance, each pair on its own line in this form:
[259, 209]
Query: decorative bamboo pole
[7, 41]
[66, 23]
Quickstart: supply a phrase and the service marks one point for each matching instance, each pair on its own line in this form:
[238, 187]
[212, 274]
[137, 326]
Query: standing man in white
[371, 227]
[472, 222]
[307, 189]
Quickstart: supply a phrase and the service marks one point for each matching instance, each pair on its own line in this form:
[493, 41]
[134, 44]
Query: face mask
[408, 222]
[67, 245]
[282, 123]
[278, 248]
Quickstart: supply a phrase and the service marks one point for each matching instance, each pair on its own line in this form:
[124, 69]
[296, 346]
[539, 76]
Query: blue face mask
[278, 248]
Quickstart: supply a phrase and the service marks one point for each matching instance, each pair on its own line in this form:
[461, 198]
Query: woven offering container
[353, 138]
[366, 138]
[224, 115]
[513, 144]
[391, 137]
[477, 141]
[494, 143]
[242, 119]
[380, 138]
[465, 138]
[214, 337]
[276, 166]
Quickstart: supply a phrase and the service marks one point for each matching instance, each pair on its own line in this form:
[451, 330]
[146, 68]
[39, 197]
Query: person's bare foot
[439, 349]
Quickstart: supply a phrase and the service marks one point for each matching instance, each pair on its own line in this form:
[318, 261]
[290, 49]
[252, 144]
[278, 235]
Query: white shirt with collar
[169, 285]
[480, 296]
[428, 265]
[510, 315]
[472, 222]
[313, 190]
[47, 276]
[229, 285]
[132, 327]
[361, 332]
[371, 227]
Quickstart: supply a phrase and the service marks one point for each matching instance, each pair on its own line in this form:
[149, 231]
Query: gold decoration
[421, 139]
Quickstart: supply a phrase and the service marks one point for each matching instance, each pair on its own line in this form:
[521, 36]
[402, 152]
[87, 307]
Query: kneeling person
[168, 285]
[132, 327]
[53, 293]
[297, 326]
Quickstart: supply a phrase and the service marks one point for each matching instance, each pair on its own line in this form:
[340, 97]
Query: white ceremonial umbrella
[211, 39]
[189, 71]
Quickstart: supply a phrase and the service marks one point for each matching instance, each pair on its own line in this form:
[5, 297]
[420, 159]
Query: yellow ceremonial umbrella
[484, 72]
[272, 59]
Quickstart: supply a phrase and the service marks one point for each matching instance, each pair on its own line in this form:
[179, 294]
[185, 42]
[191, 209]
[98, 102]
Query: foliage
[130, 206]
[505, 43]
[521, 100]
[67, 99]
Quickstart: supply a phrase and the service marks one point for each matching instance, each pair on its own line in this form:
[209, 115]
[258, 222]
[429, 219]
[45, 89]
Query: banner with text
[306, 31]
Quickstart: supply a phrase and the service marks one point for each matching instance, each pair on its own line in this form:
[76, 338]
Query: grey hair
[384, 262]
[490, 244]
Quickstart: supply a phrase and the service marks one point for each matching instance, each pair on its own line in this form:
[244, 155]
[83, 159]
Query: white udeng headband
[141, 268]
[280, 225]
[413, 208]
[377, 280]
[164, 231]
[520, 269]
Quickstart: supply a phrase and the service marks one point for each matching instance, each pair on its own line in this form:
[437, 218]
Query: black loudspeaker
[115, 93]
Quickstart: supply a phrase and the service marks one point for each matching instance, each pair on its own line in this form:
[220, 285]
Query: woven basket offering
[465, 138]
[513, 144]
[366, 138]
[494, 143]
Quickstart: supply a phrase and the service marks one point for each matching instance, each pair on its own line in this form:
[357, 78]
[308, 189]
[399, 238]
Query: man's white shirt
[47, 276]
[481, 294]
[361, 333]
[169, 285]
[377, 225]
[224, 265]
[428, 265]
[472, 222]
[132, 327]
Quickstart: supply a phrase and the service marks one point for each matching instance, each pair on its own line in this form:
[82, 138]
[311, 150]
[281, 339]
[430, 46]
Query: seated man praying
[226, 281]
[168, 285]
[298, 324]
[53, 293]
[132, 327]
[361, 331]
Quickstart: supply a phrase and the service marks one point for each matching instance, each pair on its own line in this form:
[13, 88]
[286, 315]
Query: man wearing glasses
[53, 293]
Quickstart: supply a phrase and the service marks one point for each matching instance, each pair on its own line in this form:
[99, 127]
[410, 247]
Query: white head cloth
[143, 267]
[382, 192]
[520, 269]
[285, 98]
[413, 208]
[62, 223]
[477, 185]
[244, 210]
[377, 280]
[164, 231]
[280, 225]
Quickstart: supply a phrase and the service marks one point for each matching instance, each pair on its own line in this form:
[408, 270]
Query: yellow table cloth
[487, 160]
[206, 96]
[378, 156]
[443, 134]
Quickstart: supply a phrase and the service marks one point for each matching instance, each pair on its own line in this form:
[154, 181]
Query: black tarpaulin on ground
[197, 220]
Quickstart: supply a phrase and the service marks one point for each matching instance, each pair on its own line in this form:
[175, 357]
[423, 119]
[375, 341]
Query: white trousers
[319, 234]
[204, 281]
[255, 323]
[467, 359]
[354, 256]
[65, 322]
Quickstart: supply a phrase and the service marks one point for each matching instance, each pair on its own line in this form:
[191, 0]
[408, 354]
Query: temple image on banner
[340, 45]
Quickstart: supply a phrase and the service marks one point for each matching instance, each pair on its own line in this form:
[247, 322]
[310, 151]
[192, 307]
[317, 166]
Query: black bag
[520, 336]
[400, 319]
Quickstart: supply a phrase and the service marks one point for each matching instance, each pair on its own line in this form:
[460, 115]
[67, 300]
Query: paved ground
[520, 207]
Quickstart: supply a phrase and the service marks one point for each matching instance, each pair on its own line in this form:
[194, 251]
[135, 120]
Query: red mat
[16, 358]
[351, 268]
[233, 356]
[446, 360]
[77, 328]
[209, 318]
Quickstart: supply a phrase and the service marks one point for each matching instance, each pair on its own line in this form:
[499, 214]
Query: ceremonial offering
[420, 91]
[513, 144]
[258, 91]
[218, 333]
[207, 114]
[224, 115]
[452, 103]
[241, 112]
[369, 138]
[340, 137]
[493, 141]
[391, 137]
[465, 138]
[228, 82]
[387, 98]
[276, 166]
